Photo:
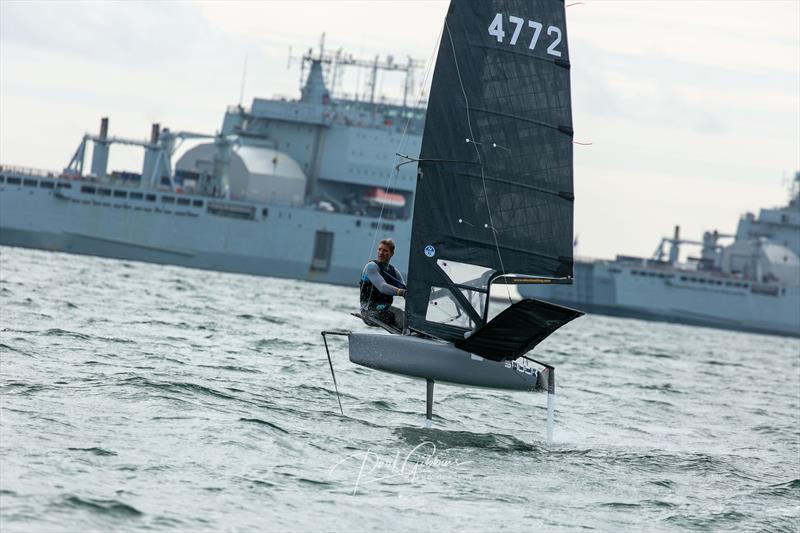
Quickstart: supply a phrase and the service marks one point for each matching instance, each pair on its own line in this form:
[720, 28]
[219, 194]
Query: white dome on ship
[781, 262]
[254, 173]
[761, 259]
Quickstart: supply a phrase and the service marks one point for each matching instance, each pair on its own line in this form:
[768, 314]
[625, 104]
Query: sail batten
[495, 185]
[491, 245]
[567, 130]
[554, 61]
[567, 195]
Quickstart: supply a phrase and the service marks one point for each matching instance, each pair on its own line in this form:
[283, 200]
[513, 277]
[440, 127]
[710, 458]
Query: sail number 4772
[496, 30]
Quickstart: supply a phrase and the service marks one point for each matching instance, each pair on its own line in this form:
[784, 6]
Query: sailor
[380, 283]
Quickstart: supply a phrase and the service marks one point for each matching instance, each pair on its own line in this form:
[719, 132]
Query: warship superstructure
[747, 281]
[290, 188]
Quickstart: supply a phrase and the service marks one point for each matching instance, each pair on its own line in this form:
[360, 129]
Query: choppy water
[143, 397]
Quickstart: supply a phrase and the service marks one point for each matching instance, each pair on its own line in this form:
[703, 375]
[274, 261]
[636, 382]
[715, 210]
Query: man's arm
[374, 275]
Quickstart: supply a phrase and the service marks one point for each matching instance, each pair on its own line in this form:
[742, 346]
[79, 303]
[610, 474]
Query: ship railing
[29, 171]
[770, 289]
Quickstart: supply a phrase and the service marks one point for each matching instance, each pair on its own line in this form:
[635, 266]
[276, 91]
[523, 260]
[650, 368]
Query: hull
[276, 241]
[673, 295]
[440, 361]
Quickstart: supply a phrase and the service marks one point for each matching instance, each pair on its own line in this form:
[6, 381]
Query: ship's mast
[335, 62]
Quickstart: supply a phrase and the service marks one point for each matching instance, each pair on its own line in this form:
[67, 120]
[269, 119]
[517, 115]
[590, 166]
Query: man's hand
[401, 292]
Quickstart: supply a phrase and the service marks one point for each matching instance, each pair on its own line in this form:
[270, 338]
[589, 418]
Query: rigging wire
[397, 156]
[472, 141]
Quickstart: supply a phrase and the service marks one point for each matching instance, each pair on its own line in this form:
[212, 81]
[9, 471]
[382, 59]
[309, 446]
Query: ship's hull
[297, 243]
[672, 295]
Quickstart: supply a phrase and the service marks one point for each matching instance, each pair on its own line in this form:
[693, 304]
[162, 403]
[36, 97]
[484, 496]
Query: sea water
[140, 397]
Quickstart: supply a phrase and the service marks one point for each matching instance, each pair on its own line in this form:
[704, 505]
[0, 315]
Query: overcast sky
[692, 108]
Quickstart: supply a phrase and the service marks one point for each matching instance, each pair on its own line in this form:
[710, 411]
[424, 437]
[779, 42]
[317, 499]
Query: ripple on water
[103, 507]
[23, 389]
[464, 439]
[58, 332]
[94, 451]
[790, 489]
[179, 387]
[260, 422]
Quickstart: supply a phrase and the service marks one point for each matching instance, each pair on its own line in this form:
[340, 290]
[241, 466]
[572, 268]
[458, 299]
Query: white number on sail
[496, 31]
[552, 48]
[537, 29]
[496, 28]
[518, 22]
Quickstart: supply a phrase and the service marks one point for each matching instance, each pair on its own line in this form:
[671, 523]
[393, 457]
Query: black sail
[495, 181]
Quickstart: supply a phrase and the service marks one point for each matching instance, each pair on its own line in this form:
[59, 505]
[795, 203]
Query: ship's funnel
[150, 173]
[100, 151]
[675, 248]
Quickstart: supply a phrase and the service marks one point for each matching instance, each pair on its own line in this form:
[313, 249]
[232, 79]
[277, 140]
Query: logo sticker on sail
[430, 251]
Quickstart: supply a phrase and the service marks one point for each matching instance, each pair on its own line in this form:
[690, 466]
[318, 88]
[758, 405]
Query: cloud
[130, 33]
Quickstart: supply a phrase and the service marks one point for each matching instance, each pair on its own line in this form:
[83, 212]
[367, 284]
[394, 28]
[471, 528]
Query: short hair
[389, 243]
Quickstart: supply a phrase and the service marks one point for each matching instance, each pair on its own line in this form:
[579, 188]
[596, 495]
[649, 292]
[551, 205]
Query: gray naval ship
[290, 188]
[748, 281]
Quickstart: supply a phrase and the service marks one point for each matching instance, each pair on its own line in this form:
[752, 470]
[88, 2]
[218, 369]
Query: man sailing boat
[380, 283]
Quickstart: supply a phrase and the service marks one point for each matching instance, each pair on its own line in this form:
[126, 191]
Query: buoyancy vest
[371, 296]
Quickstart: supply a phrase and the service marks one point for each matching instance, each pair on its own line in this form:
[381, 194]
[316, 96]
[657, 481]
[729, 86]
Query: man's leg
[390, 318]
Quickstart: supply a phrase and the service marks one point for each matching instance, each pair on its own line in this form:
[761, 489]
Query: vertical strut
[429, 403]
[551, 393]
[330, 362]
[551, 402]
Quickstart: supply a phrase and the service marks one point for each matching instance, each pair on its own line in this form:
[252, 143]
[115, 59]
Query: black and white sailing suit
[380, 283]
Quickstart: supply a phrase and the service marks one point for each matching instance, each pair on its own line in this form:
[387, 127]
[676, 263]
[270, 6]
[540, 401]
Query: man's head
[385, 250]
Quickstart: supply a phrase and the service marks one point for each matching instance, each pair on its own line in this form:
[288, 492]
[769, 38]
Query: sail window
[88, 190]
[197, 203]
[30, 183]
[14, 181]
[2, 179]
[120, 194]
[184, 201]
[104, 192]
[264, 212]
[168, 199]
[323, 248]
[47, 185]
[150, 197]
[443, 308]
[135, 196]
[466, 274]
